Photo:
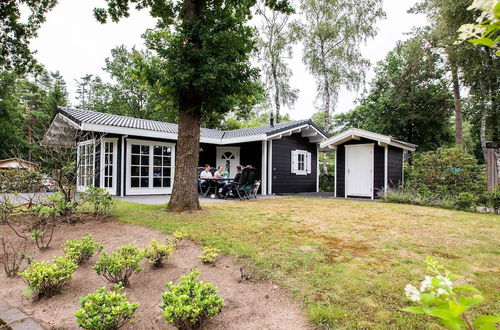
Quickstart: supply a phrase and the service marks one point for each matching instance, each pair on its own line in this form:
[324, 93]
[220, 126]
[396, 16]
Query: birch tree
[276, 37]
[333, 32]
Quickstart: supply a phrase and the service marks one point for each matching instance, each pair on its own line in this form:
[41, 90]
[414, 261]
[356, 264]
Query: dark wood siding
[395, 169]
[284, 181]
[378, 166]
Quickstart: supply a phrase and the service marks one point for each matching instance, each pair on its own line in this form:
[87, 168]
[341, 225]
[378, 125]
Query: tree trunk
[276, 94]
[482, 136]
[185, 193]
[457, 101]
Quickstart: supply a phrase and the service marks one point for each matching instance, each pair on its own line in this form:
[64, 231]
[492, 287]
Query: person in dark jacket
[227, 186]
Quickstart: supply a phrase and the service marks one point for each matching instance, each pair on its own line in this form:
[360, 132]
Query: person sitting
[219, 172]
[227, 186]
[205, 174]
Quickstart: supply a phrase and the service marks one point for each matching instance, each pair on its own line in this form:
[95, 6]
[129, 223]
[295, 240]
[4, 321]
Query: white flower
[446, 281]
[426, 283]
[487, 7]
[441, 292]
[412, 293]
[468, 31]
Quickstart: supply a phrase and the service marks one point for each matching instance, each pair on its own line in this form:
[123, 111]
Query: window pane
[144, 170]
[145, 150]
[166, 182]
[134, 171]
[136, 149]
[166, 171]
[167, 161]
[157, 171]
[157, 161]
[157, 150]
[110, 171]
[135, 160]
[110, 146]
[145, 182]
[167, 151]
[156, 182]
[134, 182]
[144, 160]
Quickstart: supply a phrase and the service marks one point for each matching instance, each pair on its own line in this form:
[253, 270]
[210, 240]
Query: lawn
[347, 262]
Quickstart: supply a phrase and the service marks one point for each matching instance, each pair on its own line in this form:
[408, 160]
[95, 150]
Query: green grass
[346, 262]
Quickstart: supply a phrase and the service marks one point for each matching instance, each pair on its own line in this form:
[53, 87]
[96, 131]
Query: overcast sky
[72, 42]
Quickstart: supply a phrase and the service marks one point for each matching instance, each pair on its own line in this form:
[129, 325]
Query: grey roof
[99, 118]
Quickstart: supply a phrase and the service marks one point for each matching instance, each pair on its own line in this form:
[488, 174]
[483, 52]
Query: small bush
[101, 200]
[179, 235]
[327, 182]
[209, 254]
[47, 279]
[155, 253]
[120, 265]
[191, 302]
[20, 180]
[80, 251]
[491, 200]
[105, 309]
[466, 201]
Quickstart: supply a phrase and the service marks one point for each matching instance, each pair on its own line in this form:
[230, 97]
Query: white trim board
[356, 133]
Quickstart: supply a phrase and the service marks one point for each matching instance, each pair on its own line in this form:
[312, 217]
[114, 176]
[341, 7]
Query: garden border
[15, 319]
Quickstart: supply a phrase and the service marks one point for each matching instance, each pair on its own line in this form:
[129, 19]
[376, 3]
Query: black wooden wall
[284, 181]
[395, 169]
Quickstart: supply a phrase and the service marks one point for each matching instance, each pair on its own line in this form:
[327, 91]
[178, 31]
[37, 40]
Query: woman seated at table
[219, 173]
[205, 174]
[227, 186]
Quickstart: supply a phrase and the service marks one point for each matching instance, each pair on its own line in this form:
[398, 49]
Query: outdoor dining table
[213, 184]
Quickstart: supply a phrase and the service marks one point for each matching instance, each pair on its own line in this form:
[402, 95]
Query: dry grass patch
[347, 261]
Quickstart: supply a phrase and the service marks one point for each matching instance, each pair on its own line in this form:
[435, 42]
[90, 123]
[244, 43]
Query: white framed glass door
[150, 167]
[109, 157]
[85, 171]
[228, 157]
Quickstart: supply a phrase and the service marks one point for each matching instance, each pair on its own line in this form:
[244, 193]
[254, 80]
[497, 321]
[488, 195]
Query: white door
[108, 165]
[228, 157]
[359, 170]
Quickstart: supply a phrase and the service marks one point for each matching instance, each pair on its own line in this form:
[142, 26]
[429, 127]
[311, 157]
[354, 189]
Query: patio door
[109, 157]
[150, 167]
[228, 157]
[359, 170]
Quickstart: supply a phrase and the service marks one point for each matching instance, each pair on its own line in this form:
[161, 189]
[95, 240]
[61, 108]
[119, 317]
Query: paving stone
[26, 324]
[3, 307]
[12, 315]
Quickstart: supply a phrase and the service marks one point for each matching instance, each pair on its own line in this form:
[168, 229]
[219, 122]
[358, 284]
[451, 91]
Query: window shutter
[308, 162]
[294, 162]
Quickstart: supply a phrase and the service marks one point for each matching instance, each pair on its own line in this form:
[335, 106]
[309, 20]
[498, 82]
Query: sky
[73, 42]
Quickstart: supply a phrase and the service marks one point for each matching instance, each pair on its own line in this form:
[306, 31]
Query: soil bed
[249, 305]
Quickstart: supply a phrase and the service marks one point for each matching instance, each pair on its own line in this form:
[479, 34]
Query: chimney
[271, 119]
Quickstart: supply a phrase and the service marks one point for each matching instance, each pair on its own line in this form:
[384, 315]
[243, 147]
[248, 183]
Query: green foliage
[80, 251]
[55, 205]
[105, 310]
[101, 200]
[43, 235]
[491, 200]
[47, 279]
[20, 180]
[209, 254]
[155, 253]
[446, 172]
[191, 302]
[120, 265]
[466, 201]
[178, 236]
[327, 182]
[438, 297]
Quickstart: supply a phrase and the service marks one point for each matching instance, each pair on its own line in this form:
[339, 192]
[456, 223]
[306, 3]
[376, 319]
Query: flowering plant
[440, 298]
[485, 31]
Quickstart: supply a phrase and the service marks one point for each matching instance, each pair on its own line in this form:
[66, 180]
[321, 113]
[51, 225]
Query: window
[162, 163]
[301, 162]
[85, 170]
[139, 170]
[108, 163]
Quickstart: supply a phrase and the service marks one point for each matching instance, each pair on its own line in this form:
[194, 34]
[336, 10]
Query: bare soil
[249, 305]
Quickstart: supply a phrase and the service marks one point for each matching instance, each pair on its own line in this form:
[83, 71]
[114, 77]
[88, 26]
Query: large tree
[276, 37]
[409, 98]
[333, 31]
[204, 49]
[17, 30]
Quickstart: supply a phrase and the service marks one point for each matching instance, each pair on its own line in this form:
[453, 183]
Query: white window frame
[79, 186]
[295, 154]
[111, 190]
[150, 190]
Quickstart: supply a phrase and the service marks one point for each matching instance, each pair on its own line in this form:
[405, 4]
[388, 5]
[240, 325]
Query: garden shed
[366, 163]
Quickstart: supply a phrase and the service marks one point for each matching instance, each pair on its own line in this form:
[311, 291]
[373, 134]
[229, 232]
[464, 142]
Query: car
[48, 184]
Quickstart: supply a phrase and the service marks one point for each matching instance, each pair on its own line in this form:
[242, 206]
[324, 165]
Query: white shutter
[294, 162]
[308, 162]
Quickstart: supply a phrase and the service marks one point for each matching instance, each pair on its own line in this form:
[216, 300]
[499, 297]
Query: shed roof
[353, 133]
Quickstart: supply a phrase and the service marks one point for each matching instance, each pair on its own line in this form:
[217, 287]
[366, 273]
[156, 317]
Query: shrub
[47, 279]
[120, 265]
[209, 254]
[20, 180]
[101, 200]
[191, 302]
[13, 255]
[491, 200]
[80, 251]
[179, 235]
[446, 172]
[440, 298]
[466, 201]
[43, 236]
[155, 253]
[105, 309]
[327, 182]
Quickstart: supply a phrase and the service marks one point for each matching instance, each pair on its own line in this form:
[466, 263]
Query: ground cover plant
[80, 251]
[105, 309]
[119, 266]
[190, 303]
[47, 279]
[155, 253]
[209, 255]
[346, 261]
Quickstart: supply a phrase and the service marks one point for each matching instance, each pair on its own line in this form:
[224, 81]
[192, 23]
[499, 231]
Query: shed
[17, 163]
[366, 163]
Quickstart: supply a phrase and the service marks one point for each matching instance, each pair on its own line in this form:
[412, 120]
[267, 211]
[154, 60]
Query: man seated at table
[227, 186]
[205, 174]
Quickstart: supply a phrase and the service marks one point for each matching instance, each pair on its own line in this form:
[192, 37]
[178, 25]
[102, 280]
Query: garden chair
[237, 188]
[250, 182]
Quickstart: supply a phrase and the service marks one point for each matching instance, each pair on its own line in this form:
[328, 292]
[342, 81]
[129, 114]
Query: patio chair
[250, 183]
[238, 188]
